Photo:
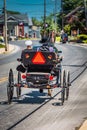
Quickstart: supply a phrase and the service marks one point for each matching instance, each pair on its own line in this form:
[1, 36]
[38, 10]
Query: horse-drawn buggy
[42, 69]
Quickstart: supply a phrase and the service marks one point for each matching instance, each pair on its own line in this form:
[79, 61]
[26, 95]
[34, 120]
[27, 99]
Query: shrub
[85, 41]
[2, 46]
[82, 37]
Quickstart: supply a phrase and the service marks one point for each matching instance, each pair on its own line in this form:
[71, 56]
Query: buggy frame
[39, 70]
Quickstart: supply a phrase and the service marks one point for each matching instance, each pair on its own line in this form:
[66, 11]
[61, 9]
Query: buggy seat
[38, 61]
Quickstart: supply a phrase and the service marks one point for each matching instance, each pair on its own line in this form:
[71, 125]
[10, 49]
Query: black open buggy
[39, 69]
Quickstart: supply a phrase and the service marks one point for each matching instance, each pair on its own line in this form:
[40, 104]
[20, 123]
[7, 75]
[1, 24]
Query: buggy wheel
[10, 86]
[18, 88]
[67, 85]
[63, 84]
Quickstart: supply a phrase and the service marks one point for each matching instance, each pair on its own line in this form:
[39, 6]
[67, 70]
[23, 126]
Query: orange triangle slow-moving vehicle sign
[38, 58]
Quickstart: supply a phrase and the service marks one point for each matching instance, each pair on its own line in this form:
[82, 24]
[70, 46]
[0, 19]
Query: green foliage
[73, 38]
[51, 26]
[67, 29]
[36, 22]
[2, 46]
[69, 5]
[82, 37]
[13, 12]
[85, 41]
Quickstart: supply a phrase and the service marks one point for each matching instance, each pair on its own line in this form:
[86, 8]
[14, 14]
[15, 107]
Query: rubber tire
[67, 85]
[63, 87]
[18, 89]
[10, 86]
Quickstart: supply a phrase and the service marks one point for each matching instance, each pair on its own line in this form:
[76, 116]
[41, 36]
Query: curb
[10, 49]
[83, 126]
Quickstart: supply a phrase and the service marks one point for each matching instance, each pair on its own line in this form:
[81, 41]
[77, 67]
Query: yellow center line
[3, 79]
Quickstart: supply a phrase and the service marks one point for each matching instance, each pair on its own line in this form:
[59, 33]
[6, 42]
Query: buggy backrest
[38, 58]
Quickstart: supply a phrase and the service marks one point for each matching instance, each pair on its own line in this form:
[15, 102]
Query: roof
[18, 18]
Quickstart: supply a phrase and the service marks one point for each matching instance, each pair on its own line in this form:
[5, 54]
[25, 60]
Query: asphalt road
[36, 111]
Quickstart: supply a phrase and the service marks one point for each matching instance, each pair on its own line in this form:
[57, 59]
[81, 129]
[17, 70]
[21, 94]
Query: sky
[33, 8]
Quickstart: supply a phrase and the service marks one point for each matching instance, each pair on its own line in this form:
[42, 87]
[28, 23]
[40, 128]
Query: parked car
[64, 38]
[12, 38]
[1, 39]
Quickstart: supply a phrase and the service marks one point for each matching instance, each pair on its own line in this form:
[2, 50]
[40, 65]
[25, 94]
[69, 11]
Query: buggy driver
[28, 43]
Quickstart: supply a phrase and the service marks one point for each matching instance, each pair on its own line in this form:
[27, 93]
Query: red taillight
[23, 76]
[38, 58]
[51, 77]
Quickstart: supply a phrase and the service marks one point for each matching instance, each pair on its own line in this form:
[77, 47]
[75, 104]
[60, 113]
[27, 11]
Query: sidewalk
[83, 126]
[10, 49]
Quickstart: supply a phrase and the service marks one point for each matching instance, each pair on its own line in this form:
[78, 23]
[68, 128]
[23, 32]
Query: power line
[49, 6]
[33, 4]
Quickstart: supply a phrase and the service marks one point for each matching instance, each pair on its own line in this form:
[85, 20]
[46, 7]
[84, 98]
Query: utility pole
[55, 13]
[5, 26]
[44, 26]
[62, 14]
[44, 15]
[85, 6]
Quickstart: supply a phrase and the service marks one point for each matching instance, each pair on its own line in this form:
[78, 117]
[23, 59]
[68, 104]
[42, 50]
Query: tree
[13, 12]
[50, 24]
[67, 29]
[78, 17]
[36, 22]
[69, 5]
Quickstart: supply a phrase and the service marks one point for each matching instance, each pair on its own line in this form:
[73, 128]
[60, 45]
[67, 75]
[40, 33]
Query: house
[17, 24]
[73, 17]
[35, 32]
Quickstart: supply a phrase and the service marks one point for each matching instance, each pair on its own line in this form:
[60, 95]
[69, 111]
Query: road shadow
[34, 97]
[56, 104]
